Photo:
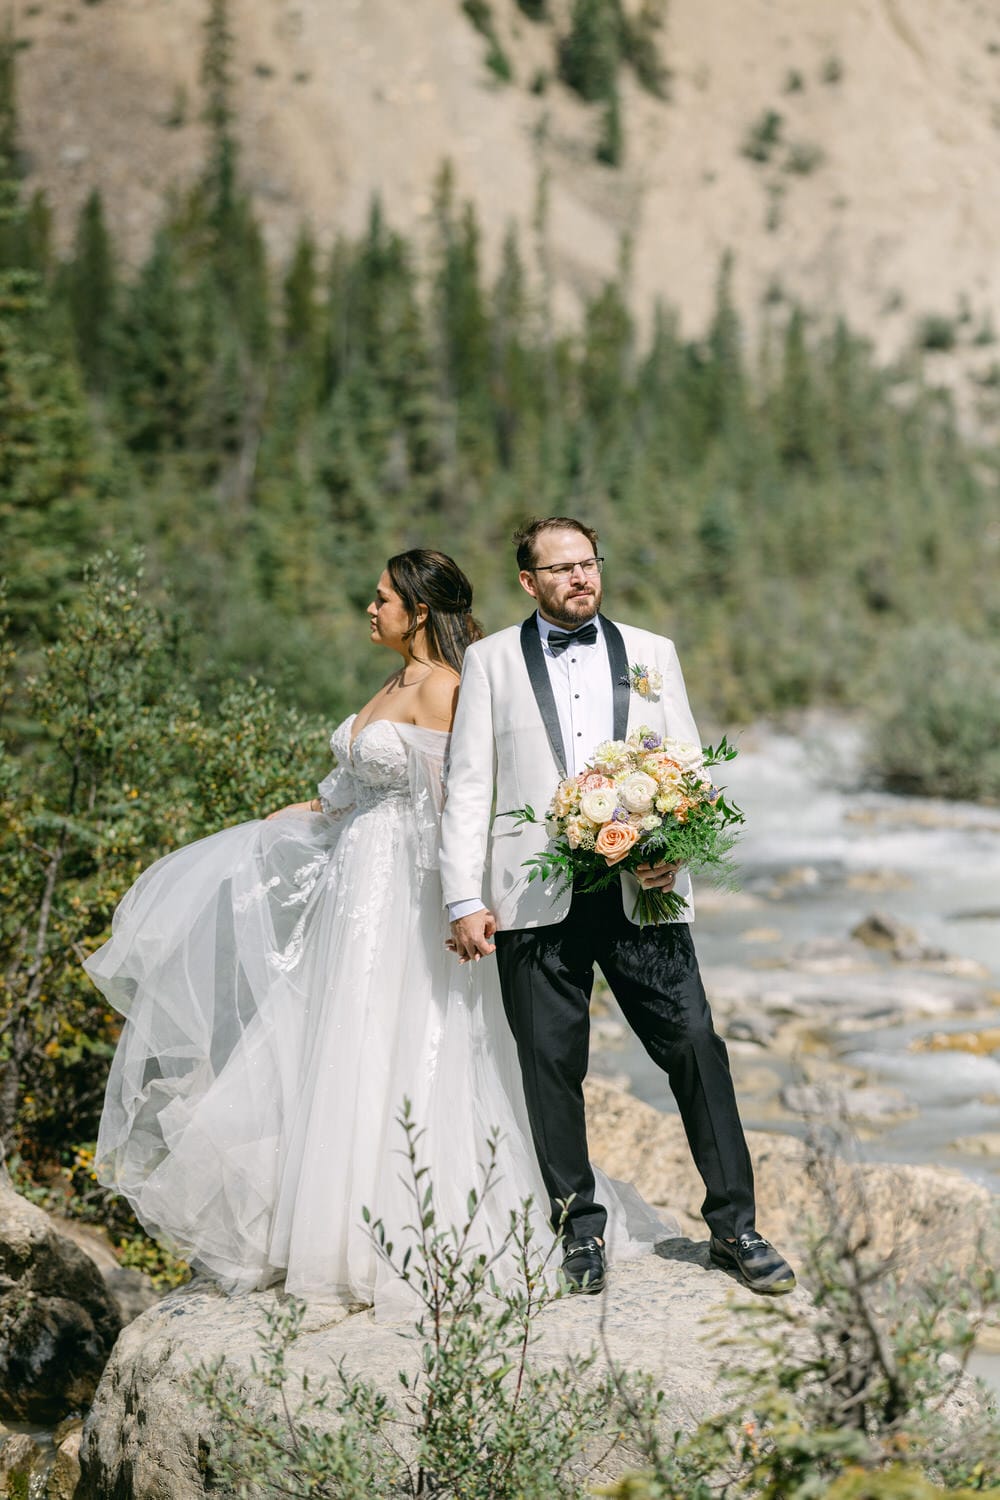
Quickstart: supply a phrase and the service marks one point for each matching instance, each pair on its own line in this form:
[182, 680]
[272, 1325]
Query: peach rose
[615, 840]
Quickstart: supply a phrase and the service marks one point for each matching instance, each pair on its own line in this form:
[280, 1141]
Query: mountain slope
[880, 197]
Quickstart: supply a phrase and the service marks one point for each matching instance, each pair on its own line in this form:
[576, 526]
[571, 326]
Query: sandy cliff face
[880, 197]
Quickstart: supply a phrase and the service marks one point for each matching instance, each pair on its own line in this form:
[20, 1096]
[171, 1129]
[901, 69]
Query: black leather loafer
[755, 1261]
[583, 1266]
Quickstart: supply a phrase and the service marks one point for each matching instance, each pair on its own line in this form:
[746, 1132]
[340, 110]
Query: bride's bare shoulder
[437, 696]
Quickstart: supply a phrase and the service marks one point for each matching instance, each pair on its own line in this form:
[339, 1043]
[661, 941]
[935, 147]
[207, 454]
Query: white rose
[599, 805]
[636, 792]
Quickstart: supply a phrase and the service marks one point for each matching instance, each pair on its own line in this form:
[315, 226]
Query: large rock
[132, 1291]
[57, 1320]
[636, 1143]
[147, 1438]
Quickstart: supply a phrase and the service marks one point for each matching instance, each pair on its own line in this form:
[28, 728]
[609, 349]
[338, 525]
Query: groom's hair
[525, 537]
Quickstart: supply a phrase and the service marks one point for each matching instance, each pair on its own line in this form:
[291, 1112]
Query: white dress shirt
[581, 685]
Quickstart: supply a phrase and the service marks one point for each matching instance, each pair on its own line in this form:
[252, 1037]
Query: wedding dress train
[285, 986]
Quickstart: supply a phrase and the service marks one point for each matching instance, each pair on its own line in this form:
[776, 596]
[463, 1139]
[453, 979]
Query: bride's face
[388, 616]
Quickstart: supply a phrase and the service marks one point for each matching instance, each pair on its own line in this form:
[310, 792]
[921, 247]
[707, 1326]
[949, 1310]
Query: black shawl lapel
[534, 660]
[618, 658]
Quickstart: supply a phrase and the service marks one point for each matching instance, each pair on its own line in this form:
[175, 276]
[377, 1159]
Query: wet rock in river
[979, 1043]
[20, 1456]
[760, 1030]
[892, 936]
[986, 1144]
[865, 1105]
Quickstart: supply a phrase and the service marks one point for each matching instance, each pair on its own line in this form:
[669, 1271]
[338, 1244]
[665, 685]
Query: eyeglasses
[590, 565]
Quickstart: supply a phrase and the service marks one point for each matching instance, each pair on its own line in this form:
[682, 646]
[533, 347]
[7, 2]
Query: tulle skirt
[286, 989]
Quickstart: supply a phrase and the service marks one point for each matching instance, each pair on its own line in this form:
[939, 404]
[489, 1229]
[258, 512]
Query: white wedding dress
[285, 986]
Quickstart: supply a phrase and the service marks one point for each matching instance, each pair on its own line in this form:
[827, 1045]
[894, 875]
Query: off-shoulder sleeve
[425, 755]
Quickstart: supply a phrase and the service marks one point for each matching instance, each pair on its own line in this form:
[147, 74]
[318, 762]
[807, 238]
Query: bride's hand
[294, 807]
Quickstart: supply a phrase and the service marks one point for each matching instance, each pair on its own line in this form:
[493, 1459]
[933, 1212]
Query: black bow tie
[560, 639]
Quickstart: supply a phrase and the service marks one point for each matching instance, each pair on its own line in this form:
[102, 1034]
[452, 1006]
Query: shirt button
[579, 734]
[573, 660]
[576, 695]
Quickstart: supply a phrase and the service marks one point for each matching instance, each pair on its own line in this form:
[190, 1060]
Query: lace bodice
[389, 765]
[376, 762]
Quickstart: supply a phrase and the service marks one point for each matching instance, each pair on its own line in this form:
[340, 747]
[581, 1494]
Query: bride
[285, 985]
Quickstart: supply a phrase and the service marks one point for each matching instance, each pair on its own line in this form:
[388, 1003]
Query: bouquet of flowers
[642, 800]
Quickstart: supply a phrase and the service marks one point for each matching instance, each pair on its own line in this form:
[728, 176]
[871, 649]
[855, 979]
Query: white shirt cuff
[459, 909]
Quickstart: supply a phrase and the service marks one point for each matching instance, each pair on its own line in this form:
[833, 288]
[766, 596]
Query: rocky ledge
[147, 1438]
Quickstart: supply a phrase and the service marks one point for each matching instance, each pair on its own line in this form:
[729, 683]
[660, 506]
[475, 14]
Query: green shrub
[476, 1420]
[763, 136]
[937, 332]
[935, 725]
[804, 157]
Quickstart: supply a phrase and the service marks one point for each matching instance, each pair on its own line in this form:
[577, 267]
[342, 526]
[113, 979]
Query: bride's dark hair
[423, 576]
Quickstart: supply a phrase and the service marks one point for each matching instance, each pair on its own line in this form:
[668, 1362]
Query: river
[820, 852]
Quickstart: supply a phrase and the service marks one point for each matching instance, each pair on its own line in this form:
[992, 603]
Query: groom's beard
[574, 610]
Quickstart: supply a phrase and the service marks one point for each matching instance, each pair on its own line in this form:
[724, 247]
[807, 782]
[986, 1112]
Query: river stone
[132, 1290]
[20, 1456]
[892, 936]
[64, 1475]
[57, 1319]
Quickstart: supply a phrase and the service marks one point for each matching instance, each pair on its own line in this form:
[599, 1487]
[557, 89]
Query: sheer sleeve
[425, 754]
[336, 791]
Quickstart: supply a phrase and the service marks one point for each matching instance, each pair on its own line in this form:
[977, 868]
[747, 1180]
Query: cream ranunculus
[688, 757]
[636, 792]
[599, 805]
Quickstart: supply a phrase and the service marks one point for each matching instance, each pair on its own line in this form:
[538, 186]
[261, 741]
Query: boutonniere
[643, 681]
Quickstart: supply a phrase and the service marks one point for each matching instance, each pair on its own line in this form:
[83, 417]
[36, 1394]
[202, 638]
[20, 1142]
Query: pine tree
[91, 289]
[461, 324]
[160, 372]
[590, 52]
[300, 294]
[796, 398]
[725, 393]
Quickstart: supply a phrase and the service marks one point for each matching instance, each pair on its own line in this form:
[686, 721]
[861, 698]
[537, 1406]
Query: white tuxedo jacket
[507, 752]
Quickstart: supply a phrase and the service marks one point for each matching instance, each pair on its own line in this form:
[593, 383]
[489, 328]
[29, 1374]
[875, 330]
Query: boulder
[132, 1290]
[636, 1143]
[864, 1105]
[148, 1438]
[57, 1319]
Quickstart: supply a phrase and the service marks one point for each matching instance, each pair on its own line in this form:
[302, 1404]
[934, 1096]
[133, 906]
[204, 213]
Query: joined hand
[470, 936]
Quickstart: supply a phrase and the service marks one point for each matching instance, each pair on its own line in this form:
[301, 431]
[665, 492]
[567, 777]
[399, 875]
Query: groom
[535, 701]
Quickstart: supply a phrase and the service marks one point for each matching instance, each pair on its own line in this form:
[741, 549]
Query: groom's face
[570, 595]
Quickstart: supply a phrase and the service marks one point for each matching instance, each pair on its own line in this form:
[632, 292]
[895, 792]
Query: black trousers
[546, 975]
